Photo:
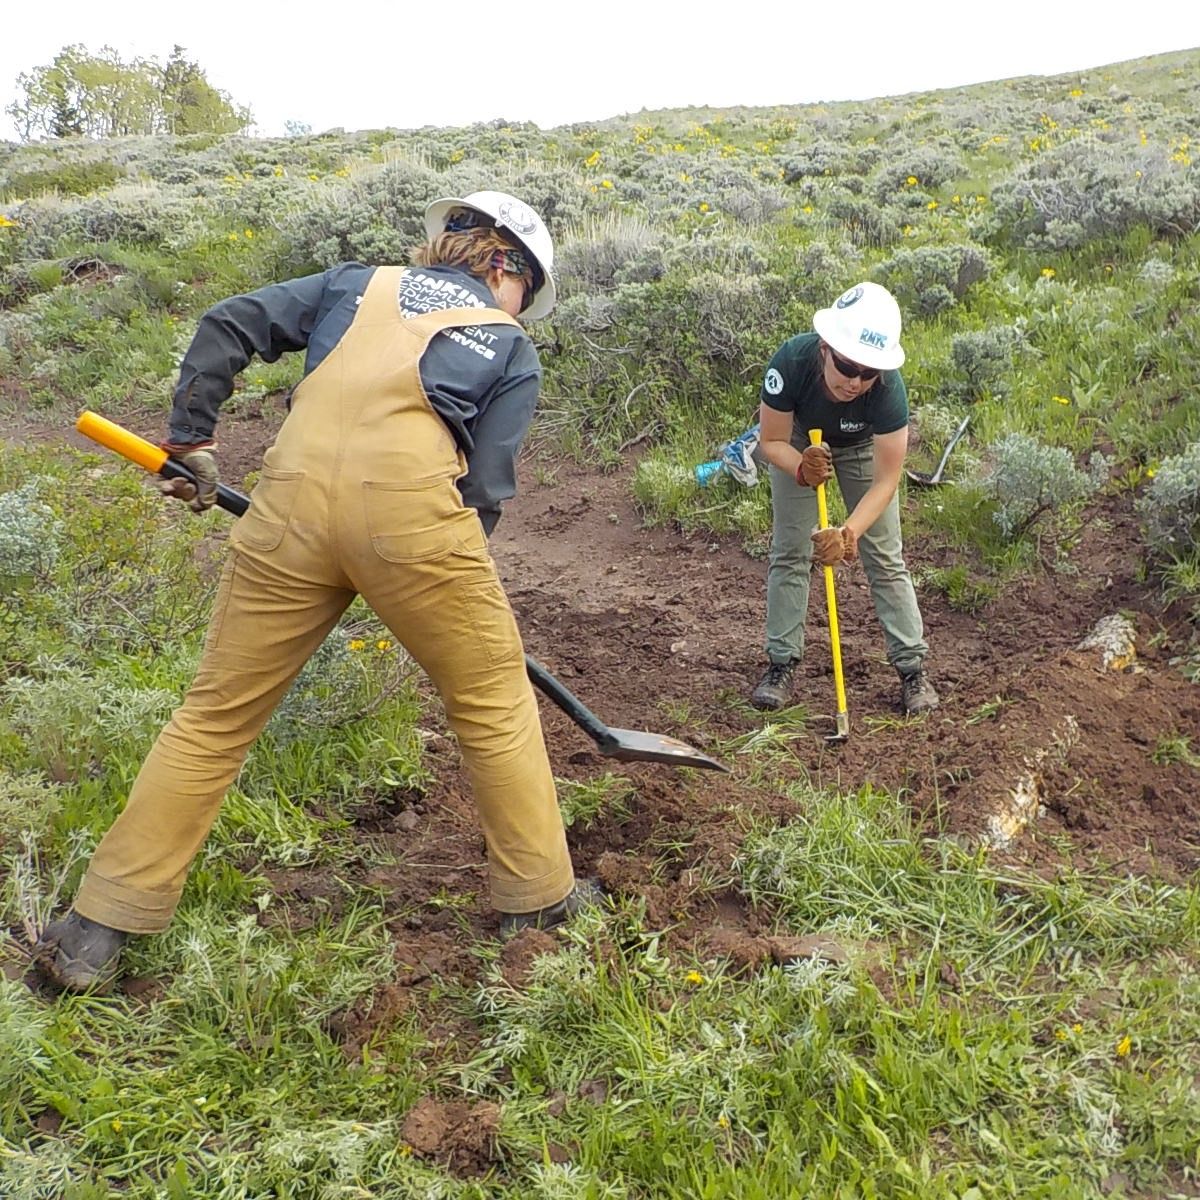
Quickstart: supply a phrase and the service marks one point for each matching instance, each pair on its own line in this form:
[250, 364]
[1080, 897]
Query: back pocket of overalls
[420, 520]
[266, 520]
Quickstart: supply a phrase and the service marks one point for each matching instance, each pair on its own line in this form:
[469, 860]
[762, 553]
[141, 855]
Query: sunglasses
[851, 370]
[513, 262]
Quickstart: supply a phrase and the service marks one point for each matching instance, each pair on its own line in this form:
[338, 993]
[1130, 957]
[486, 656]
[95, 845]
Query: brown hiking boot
[585, 891]
[917, 694]
[774, 689]
[80, 955]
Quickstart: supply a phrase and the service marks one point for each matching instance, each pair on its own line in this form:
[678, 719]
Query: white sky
[364, 65]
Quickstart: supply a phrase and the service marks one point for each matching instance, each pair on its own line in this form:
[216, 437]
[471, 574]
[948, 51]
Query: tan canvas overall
[357, 495]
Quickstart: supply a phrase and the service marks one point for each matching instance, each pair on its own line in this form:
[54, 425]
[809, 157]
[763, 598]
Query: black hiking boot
[80, 955]
[774, 689]
[917, 694]
[585, 891]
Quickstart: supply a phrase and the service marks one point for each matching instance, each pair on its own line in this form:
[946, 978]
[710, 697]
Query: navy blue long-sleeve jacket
[482, 381]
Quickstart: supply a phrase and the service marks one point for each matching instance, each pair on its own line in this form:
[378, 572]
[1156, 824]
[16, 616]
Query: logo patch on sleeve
[773, 383]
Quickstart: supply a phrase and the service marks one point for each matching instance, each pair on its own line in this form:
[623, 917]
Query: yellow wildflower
[704, 206]
[1061, 1034]
[808, 208]
[5, 223]
[1124, 1046]
[355, 644]
[694, 977]
[116, 1125]
[911, 181]
[592, 159]
[1048, 272]
[723, 1121]
[1060, 399]
[248, 233]
[606, 183]
[1077, 1028]
[383, 645]
[932, 205]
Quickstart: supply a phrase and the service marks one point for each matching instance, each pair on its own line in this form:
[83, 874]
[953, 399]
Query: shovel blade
[634, 745]
[923, 478]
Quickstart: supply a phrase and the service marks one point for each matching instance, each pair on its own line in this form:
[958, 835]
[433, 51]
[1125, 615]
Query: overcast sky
[363, 65]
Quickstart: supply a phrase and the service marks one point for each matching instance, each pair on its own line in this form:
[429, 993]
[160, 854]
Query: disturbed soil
[1038, 749]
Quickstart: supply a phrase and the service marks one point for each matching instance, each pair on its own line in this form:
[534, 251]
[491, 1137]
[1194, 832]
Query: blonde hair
[471, 249]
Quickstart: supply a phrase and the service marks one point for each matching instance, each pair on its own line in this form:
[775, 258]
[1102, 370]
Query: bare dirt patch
[659, 630]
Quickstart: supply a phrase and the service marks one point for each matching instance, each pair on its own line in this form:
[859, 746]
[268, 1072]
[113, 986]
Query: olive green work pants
[789, 567]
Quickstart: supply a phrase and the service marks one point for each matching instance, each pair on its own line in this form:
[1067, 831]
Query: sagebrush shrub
[928, 279]
[735, 315]
[1027, 479]
[984, 360]
[29, 542]
[600, 252]
[1090, 189]
[1170, 506]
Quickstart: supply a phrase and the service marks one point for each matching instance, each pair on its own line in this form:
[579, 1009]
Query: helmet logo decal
[847, 298]
[871, 337]
[517, 217]
[773, 384]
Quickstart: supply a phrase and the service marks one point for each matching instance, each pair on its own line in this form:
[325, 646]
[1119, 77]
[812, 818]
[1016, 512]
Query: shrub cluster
[1170, 506]
[929, 279]
[1088, 189]
[1027, 479]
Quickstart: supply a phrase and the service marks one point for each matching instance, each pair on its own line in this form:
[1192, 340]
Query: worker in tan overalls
[385, 480]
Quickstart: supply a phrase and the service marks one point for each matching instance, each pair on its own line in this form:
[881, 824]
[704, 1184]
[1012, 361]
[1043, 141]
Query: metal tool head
[633, 745]
[842, 729]
[928, 479]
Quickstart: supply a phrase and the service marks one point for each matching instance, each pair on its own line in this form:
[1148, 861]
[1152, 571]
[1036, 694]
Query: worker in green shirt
[843, 378]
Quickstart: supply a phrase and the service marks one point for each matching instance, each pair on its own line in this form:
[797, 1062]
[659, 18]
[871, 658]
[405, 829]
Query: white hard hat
[507, 212]
[863, 325]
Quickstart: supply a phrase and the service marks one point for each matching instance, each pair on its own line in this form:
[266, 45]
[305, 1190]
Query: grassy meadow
[986, 1033]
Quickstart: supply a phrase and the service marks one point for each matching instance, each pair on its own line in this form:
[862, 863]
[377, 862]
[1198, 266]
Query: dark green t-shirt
[793, 384]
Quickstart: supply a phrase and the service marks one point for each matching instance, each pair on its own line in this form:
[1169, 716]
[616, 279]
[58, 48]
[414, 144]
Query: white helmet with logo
[863, 325]
[507, 212]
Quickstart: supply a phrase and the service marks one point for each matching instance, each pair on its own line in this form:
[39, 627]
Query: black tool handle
[570, 704]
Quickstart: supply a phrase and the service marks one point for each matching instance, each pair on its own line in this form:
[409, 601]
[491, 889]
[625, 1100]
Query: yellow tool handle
[814, 436]
[151, 457]
[126, 443]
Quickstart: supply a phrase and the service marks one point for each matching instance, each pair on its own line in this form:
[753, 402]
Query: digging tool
[625, 745]
[843, 714]
[922, 478]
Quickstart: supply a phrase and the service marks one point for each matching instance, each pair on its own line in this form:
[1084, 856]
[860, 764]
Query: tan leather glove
[832, 546]
[816, 466]
[201, 460]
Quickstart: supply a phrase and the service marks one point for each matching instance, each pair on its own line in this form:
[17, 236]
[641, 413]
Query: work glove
[816, 466]
[832, 546]
[200, 459]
